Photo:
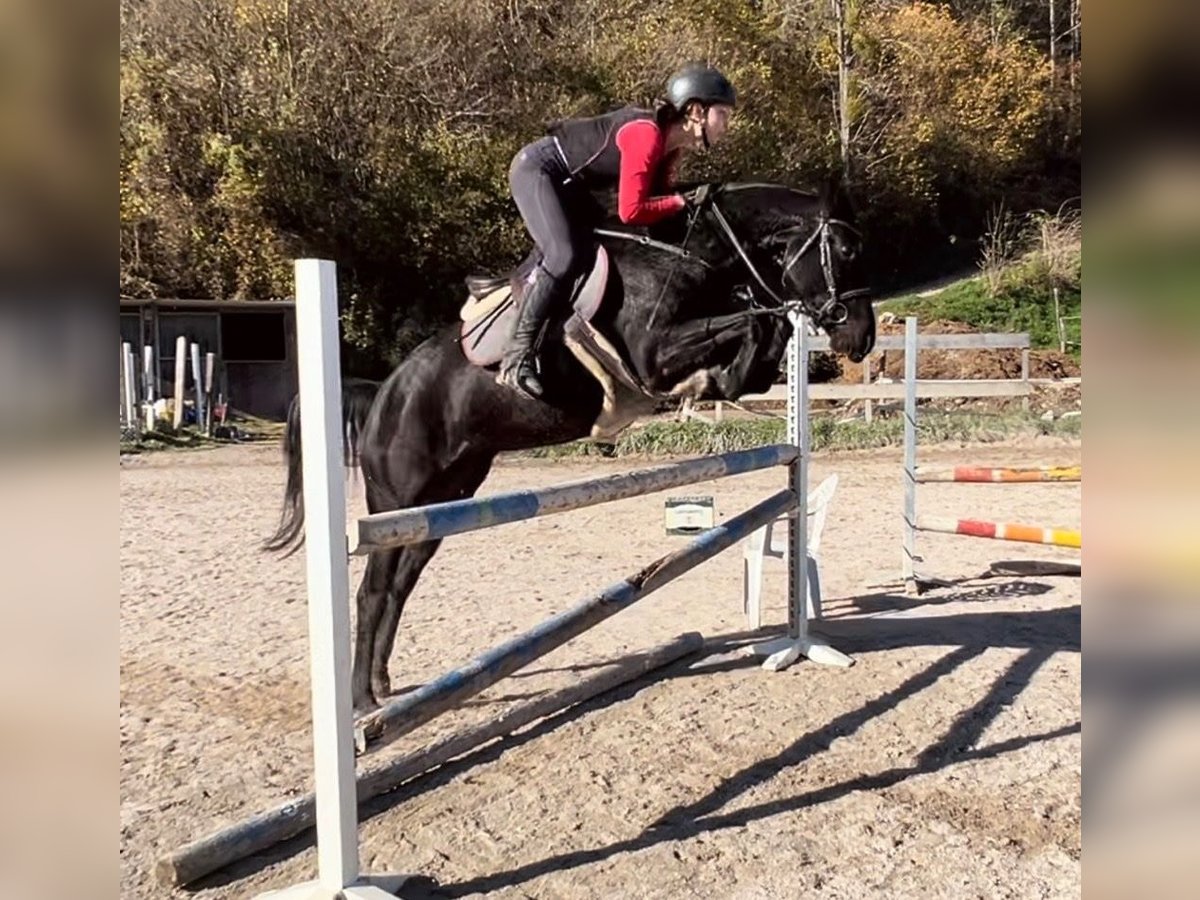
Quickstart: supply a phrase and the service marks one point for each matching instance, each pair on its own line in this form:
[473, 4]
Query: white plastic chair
[772, 541]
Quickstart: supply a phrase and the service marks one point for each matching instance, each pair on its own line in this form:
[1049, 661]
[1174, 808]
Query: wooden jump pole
[293, 817]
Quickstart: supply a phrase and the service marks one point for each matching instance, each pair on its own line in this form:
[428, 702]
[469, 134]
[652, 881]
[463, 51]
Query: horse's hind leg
[460, 479]
[412, 560]
[371, 603]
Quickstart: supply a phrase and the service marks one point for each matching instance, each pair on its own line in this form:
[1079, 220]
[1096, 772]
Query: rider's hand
[697, 197]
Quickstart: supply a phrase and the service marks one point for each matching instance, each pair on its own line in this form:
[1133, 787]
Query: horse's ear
[827, 193]
[835, 198]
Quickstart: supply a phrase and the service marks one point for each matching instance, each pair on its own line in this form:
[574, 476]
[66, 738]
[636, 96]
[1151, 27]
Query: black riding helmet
[702, 83]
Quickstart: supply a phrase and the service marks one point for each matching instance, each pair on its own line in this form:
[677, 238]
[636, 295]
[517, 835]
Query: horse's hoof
[364, 707]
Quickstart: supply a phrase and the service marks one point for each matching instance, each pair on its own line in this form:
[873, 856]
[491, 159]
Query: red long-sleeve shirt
[641, 145]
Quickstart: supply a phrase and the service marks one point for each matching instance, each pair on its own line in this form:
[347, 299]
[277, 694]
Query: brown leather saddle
[490, 311]
[491, 307]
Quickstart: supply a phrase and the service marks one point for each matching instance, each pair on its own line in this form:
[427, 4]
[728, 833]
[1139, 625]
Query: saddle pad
[477, 308]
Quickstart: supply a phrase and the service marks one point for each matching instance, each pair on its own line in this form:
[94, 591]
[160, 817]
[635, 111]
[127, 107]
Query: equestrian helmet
[702, 83]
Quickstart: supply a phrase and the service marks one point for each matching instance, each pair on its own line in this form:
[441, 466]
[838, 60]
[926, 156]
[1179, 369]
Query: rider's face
[718, 121]
[714, 121]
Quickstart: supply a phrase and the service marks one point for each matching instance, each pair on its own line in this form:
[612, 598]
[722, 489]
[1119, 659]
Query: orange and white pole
[1001, 531]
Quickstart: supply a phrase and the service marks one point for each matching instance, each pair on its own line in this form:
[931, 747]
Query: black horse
[705, 316]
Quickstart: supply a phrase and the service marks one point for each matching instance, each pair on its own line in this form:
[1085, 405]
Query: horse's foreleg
[412, 561]
[757, 365]
[690, 356]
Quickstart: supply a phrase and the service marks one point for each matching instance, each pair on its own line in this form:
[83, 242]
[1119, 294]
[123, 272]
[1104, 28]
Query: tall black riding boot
[519, 367]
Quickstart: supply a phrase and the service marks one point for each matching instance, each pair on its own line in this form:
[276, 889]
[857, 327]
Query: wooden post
[128, 408]
[197, 385]
[867, 404]
[1025, 378]
[131, 388]
[328, 594]
[328, 573]
[798, 434]
[799, 641]
[1062, 332]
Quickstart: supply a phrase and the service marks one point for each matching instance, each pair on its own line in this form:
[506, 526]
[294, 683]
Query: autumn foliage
[379, 133]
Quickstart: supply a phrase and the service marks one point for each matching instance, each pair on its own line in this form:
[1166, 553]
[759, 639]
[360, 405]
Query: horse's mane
[613, 223]
[732, 186]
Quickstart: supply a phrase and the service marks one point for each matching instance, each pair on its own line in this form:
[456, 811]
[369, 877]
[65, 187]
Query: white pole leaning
[909, 548]
[328, 597]
[129, 382]
[149, 383]
[800, 641]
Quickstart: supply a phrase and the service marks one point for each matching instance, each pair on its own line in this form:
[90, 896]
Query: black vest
[589, 146]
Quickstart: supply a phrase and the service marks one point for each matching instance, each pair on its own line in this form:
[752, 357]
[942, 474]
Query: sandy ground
[945, 763]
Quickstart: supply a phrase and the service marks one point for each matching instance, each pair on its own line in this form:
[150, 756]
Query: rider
[637, 150]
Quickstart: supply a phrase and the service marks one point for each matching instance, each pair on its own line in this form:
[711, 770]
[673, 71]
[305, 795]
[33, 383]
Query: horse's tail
[357, 396]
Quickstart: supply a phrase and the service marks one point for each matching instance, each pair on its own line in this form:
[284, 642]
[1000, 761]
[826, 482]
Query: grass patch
[1022, 263]
[166, 438]
[1024, 301]
[828, 433]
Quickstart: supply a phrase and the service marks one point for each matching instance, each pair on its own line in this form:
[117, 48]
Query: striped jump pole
[914, 475]
[983, 475]
[1001, 531]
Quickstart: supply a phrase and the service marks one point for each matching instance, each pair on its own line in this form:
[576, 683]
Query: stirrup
[522, 376]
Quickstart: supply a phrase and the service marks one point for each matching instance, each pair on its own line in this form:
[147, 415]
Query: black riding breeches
[557, 212]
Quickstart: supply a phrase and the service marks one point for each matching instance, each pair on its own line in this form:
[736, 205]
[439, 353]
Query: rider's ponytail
[667, 113]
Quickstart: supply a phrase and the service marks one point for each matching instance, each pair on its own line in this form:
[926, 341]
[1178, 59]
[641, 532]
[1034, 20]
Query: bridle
[830, 312]
[832, 309]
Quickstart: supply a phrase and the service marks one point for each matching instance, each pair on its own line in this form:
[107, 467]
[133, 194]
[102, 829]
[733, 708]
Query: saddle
[489, 313]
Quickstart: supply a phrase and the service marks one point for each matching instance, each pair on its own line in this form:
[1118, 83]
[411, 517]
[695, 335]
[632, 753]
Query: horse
[706, 317]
